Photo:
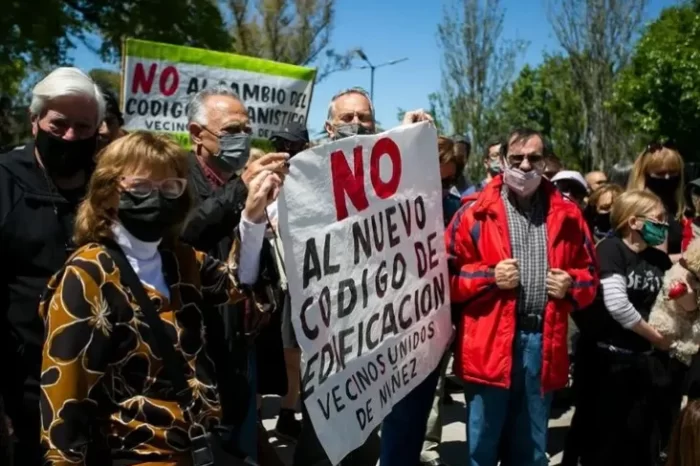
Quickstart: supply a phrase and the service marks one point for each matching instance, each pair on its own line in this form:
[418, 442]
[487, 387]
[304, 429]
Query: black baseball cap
[292, 132]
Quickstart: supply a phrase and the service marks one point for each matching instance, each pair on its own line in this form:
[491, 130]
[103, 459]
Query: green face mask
[654, 233]
[495, 167]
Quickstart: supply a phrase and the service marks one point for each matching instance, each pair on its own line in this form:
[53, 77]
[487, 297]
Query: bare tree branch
[598, 36]
[477, 64]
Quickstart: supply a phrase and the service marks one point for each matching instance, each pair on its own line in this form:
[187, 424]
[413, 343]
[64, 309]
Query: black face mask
[63, 158]
[665, 188]
[148, 218]
[602, 222]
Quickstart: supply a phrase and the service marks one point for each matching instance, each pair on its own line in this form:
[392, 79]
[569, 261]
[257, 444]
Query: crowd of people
[145, 309]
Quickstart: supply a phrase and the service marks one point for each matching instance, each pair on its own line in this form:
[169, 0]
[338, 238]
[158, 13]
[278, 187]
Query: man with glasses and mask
[220, 132]
[41, 185]
[514, 288]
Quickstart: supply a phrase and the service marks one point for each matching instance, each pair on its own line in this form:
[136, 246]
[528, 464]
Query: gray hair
[352, 90]
[196, 110]
[66, 81]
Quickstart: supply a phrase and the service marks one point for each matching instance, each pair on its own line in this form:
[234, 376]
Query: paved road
[453, 436]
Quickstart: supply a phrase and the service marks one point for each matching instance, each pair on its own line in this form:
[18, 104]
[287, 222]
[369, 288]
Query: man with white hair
[41, 185]
[220, 133]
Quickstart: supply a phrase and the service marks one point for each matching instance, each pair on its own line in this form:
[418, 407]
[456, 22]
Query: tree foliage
[28, 39]
[659, 92]
[296, 32]
[544, 98]
[290, 31]
[598, 37]
[107, 79]
[477, 66]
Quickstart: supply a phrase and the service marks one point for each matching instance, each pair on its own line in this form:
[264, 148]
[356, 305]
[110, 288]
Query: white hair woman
[41, 185]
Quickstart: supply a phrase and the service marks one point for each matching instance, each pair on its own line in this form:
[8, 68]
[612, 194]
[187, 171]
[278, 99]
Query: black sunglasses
[653, 147]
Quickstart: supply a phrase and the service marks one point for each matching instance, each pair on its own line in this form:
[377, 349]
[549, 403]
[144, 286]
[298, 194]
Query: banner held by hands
[362, 228]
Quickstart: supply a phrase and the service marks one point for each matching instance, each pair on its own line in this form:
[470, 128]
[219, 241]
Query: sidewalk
[453, 434]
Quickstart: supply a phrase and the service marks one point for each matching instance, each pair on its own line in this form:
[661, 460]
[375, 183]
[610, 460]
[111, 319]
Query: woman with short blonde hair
[659, 169]
[108, 393]
[618, 347]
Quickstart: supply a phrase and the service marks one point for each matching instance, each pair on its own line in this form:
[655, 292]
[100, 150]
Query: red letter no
[168, 82]
[352, 182]
[347, 182]
[141, 80]
[388, 147]
[169, 72]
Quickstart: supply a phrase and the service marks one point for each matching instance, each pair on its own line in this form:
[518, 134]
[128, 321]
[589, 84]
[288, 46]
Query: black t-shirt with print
[644, 273]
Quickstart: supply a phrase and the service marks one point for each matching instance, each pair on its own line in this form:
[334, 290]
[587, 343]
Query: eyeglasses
[571, 187]
[535, 160]
[235, 128]
[349, 117]
[170, 188]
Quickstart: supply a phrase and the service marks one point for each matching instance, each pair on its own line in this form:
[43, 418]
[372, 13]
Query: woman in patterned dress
[105, 398]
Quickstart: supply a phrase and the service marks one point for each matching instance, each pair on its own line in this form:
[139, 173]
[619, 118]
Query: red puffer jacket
[477, 239]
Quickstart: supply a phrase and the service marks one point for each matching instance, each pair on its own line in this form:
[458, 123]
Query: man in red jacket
[521, 260]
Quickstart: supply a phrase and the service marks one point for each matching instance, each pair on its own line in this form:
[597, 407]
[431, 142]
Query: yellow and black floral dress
[104, 395]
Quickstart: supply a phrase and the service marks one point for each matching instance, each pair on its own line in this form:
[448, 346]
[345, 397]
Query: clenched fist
[558, 283]
[507, 274]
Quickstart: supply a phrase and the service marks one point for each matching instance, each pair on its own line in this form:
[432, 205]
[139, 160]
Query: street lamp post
[372, 68]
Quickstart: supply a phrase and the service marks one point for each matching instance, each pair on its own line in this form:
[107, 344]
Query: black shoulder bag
[207, 448]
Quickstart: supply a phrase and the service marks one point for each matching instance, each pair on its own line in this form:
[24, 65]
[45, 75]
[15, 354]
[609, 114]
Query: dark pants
[309, 451]
[625, 407]
[27, 429]
[403, 430]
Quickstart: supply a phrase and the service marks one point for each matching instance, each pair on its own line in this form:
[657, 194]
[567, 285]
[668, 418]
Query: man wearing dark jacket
[221, 135]
[41, 185]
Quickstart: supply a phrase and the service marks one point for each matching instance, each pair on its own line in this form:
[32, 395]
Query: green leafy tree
[106, 79]
[29, 39]
[659, 92]
[290, 31]
[544, 98]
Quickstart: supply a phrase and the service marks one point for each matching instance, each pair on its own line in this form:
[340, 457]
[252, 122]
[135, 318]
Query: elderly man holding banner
[376, 183]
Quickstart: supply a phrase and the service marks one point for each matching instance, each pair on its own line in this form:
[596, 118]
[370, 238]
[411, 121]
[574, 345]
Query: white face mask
[522, 183]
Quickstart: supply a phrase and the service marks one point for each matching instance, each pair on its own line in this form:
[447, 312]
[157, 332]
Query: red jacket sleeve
[470, 277]
[584, 270]
[687, 233]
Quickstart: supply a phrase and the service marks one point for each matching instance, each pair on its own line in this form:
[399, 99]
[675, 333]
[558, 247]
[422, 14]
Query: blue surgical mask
[234, 149]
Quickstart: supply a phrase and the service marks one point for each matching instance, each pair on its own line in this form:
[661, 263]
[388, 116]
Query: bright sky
[392, 29]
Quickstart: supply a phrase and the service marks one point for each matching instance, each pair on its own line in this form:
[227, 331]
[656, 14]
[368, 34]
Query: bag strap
[171, 360]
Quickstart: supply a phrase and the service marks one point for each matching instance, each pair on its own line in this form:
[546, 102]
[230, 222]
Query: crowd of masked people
[144, 308]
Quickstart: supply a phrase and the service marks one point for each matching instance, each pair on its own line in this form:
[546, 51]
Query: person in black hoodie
[41, 185]
[221, 136]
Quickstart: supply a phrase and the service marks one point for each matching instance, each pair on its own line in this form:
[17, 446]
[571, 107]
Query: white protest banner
[158, 81]
[361, 223]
